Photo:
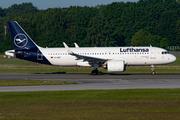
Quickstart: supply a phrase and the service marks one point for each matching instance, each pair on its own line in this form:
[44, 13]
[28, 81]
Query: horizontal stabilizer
[12, 53]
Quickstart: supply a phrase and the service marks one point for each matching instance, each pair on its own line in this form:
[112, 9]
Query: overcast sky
[44, 4]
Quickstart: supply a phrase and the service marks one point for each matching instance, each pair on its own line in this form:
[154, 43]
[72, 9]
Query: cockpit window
[165, 52]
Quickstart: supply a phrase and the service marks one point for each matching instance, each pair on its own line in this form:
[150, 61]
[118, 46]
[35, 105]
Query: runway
[86, 81]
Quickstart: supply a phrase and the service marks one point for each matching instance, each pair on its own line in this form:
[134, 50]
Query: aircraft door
[153, 53]
[39, 55]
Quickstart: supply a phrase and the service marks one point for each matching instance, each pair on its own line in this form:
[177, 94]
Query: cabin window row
[96, 53]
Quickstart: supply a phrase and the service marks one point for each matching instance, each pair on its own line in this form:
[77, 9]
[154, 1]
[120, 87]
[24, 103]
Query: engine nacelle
[116, 66]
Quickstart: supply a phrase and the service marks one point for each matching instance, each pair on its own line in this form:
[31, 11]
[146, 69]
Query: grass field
[14, 65]
[139, 104]
[32, 82]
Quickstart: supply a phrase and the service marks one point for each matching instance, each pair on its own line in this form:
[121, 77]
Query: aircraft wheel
[153, 72]
[94, 72]
[97, 72]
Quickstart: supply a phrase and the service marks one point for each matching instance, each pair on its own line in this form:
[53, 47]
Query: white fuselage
[131, 55]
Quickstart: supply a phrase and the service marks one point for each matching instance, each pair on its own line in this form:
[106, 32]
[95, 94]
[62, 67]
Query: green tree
[142, 23]
[139, 38]
[18, 10]
[178, 32]
[2, 13]
[142, 38]
[150, 40]
[164, 43]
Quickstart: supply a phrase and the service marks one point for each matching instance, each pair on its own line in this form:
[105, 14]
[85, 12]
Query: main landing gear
[95, 71]
[152, 68]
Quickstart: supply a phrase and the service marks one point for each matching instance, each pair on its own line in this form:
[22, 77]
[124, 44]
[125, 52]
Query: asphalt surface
[86, 81]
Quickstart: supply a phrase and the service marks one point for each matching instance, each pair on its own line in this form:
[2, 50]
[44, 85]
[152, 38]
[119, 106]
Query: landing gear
[153, 73]
[152, 68]
[95, 71]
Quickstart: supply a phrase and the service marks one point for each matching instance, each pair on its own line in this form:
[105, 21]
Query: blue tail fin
[25, 47]
[20, 38]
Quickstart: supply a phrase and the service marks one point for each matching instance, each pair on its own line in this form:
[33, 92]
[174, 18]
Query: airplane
[114, 59]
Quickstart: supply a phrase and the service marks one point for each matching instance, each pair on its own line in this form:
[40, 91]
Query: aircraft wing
[85, 58]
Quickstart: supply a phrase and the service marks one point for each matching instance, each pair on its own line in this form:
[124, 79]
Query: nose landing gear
[152, 68]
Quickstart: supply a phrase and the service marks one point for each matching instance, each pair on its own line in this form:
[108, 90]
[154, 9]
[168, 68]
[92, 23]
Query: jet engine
[116, 66]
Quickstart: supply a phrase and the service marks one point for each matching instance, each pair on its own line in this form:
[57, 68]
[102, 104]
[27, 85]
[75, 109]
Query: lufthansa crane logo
[20, 40]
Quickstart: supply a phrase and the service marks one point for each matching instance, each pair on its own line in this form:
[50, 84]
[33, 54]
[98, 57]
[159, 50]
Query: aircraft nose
[173, 58]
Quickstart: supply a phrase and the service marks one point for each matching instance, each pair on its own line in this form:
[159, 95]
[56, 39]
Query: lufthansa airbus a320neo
[114, 59]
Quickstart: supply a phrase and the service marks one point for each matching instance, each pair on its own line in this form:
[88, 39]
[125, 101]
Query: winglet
[68, 50]
[76, 46]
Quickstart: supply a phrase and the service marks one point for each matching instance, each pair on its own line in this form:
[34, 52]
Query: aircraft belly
[139, 60]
